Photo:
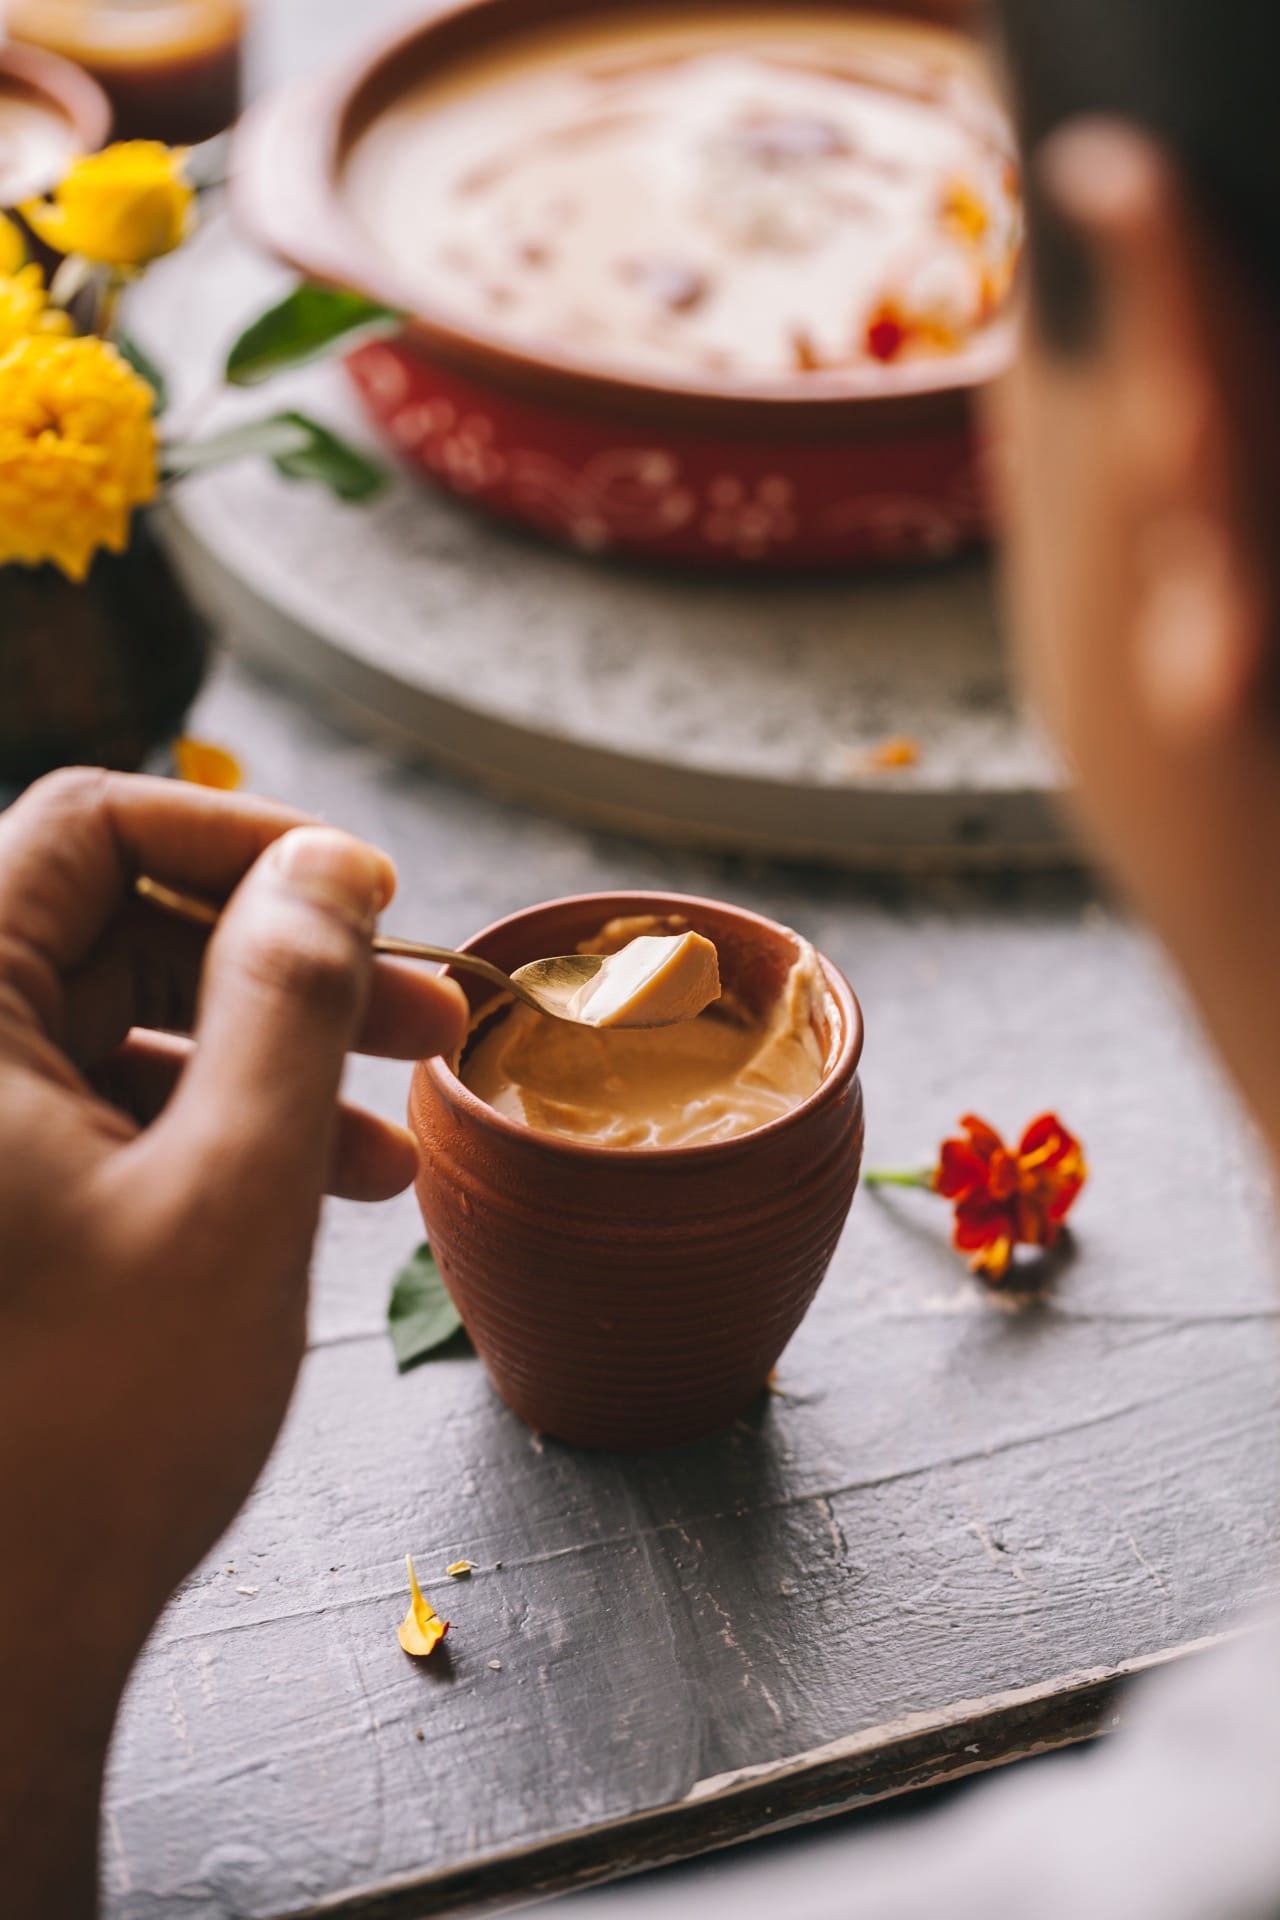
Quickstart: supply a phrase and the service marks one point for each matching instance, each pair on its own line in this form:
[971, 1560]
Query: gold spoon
[549, 985]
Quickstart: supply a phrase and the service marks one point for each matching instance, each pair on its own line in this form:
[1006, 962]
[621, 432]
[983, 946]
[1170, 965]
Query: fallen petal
[422, 1629]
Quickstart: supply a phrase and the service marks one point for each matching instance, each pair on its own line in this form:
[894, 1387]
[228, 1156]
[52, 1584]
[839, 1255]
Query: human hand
[158, 1199]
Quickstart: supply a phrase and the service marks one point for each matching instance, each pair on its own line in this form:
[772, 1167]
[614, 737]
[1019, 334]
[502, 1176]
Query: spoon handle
[391, 943]
[203, 913]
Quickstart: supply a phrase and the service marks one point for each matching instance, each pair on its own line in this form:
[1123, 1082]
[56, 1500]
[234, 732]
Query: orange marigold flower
[1009, 1197]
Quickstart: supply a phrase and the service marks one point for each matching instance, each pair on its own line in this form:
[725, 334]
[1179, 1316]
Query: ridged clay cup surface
[630, 1299]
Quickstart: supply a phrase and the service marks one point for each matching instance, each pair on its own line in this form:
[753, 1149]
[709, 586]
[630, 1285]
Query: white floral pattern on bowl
[833, 505]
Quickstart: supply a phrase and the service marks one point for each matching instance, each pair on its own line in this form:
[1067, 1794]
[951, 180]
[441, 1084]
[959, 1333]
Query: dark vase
[99, 673]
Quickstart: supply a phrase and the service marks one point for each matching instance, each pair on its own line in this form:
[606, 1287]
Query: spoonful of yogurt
[657, 980]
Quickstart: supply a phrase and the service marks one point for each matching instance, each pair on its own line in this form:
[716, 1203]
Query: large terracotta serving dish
[810, 465]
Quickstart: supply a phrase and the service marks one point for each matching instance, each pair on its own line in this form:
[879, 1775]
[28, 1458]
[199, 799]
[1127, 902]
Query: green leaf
[299, 447]
[145, 367]
[422, 1318]
[306, 325]
[323, 457]
[269, 439]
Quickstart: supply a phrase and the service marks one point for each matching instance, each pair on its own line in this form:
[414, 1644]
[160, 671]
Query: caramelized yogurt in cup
[712, 1077]
[748, 195]
[631, 1254]
[651, 980]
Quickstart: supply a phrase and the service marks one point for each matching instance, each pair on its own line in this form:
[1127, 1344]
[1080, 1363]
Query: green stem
[71, 277]
[899, 1177]
[109, 304]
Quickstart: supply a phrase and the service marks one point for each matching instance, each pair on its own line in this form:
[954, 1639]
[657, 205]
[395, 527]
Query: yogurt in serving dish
[716, 286]
[744, 196]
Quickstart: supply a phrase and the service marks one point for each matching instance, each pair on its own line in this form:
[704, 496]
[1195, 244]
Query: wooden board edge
[876, 1764]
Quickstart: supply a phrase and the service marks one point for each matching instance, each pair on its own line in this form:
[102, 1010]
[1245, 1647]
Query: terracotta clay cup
[630, 1299]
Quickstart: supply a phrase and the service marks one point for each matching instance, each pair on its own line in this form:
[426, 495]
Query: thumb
[286, 979]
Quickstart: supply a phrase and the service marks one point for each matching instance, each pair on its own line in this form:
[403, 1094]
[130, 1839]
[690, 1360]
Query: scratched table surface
[963, 1514]
[962, 1519]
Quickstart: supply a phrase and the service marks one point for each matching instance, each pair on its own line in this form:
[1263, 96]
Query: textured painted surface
[958, 1495]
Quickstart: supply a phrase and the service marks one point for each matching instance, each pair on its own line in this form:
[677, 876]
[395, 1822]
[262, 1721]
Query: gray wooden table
[963, 1519]
[964, 1515]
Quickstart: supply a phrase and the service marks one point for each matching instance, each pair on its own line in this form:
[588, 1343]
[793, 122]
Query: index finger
[72, 846]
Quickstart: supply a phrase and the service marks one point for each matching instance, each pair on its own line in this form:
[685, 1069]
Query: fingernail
[336, 870]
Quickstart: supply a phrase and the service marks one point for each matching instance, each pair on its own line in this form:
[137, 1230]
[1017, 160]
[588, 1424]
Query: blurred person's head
[1144, 503]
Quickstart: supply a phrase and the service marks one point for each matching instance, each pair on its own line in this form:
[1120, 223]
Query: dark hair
[1198, 74]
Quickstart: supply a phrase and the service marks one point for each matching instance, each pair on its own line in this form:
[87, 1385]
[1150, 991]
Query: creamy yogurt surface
[654, 980]
[711, 1078]
[739, 196]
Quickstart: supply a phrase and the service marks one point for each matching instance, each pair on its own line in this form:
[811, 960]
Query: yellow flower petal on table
[121, 207]
[25, 309]
[13, 252]
[77, 451]
[205, 765]
[422, 1629]
[460, 1569]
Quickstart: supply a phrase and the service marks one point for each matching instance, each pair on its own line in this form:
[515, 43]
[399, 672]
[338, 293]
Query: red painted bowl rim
[287, 156]
[453, 1090]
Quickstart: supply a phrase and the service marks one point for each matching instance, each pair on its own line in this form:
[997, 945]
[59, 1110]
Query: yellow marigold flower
[77, 451]
[121, 207]
[24, 307]
[13, 253]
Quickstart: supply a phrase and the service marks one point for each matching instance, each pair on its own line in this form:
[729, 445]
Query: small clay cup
[632, 1299]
